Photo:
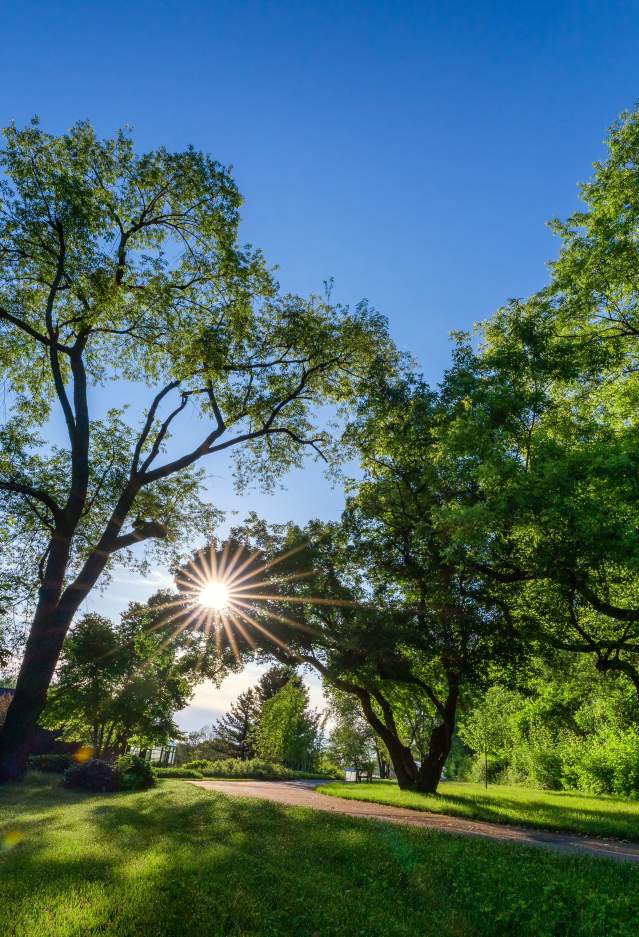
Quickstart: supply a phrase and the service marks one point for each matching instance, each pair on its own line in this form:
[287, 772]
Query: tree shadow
[180, 861]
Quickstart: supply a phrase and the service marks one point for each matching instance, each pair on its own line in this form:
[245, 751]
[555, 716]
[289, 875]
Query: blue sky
[412, 151]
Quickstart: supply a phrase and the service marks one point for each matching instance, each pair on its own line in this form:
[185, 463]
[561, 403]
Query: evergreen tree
[234, 731]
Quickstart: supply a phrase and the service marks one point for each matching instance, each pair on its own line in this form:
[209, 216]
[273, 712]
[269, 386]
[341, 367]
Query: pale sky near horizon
[411, 150]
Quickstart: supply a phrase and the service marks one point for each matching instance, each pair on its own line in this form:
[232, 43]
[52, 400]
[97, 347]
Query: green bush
[197, 764]
[610, 766]
[51, 764]
[128, 773]
[181, 772]
[134, 774]
[93, 775]
[253, 768]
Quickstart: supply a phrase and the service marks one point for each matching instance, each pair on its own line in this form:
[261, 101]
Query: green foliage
[608, 764]
[134, 774]
[128, 773]
[352, 741]
[182, 772]
[189, 861]
[287, 732]
[567, 727]
[486, 730]
[233, 736]
[197, 764]
[241, 768]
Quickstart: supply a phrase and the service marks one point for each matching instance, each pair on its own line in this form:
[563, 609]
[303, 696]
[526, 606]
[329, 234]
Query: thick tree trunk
[430, 771]
[441, 739]
[41, 656]
[406, 770]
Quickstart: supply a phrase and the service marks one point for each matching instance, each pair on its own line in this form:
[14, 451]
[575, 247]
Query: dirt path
[302, 794]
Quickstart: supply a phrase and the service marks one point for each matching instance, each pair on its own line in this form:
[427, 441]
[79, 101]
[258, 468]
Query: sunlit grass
[551, 810]
[178, 861]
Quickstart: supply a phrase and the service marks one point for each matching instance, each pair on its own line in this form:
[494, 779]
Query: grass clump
[563, 811]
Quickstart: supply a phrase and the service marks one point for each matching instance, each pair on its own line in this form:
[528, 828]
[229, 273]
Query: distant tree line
[272, 721]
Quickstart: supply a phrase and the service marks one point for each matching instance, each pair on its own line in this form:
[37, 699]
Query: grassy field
[550, 810]
[178, 860]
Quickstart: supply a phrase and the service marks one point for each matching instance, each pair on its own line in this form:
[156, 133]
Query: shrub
[609, 764]
[181, 772]
[94, 775]
[134, 774]
[254, 768]
[51, 764]
[236, 768]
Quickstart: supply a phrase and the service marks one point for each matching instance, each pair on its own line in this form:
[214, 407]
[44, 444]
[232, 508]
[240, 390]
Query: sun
[215, 595]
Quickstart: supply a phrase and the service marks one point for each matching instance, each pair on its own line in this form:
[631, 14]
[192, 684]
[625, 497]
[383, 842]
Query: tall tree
[287, 731]
[379, 604]
[125, 267]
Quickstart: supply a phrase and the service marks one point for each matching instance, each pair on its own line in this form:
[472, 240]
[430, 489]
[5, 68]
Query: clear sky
[412, 151]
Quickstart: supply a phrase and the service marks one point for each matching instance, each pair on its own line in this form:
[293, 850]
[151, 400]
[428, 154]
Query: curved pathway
[303, 794]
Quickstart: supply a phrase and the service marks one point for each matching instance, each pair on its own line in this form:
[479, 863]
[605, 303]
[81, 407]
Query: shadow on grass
[181, 861]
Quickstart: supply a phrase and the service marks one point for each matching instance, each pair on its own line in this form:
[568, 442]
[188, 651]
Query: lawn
[519, 806]
[179, 860]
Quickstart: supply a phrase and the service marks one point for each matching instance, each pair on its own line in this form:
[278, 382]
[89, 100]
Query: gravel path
[302, 794]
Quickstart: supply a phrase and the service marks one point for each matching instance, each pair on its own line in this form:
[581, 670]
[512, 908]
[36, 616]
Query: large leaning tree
[380, 604]
[121, 277]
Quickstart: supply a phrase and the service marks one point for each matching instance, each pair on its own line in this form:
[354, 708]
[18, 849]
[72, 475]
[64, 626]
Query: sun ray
[300, 600]
[228, 630]
[264, 630]
[248, 637]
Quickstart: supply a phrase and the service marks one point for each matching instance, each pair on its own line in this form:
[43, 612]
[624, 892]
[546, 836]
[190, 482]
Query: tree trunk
[40, 658]
[441, 739]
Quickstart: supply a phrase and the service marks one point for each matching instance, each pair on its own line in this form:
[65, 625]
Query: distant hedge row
[253, 768]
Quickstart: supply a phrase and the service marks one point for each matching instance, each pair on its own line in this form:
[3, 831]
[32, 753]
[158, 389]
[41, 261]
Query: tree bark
[40, 658]
[441, 739]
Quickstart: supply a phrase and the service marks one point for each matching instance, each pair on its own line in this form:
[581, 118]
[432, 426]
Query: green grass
[567, 811]
[178, 861]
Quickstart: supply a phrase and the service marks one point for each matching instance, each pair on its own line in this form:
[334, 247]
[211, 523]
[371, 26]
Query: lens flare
[11, 838]
[83, 754]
